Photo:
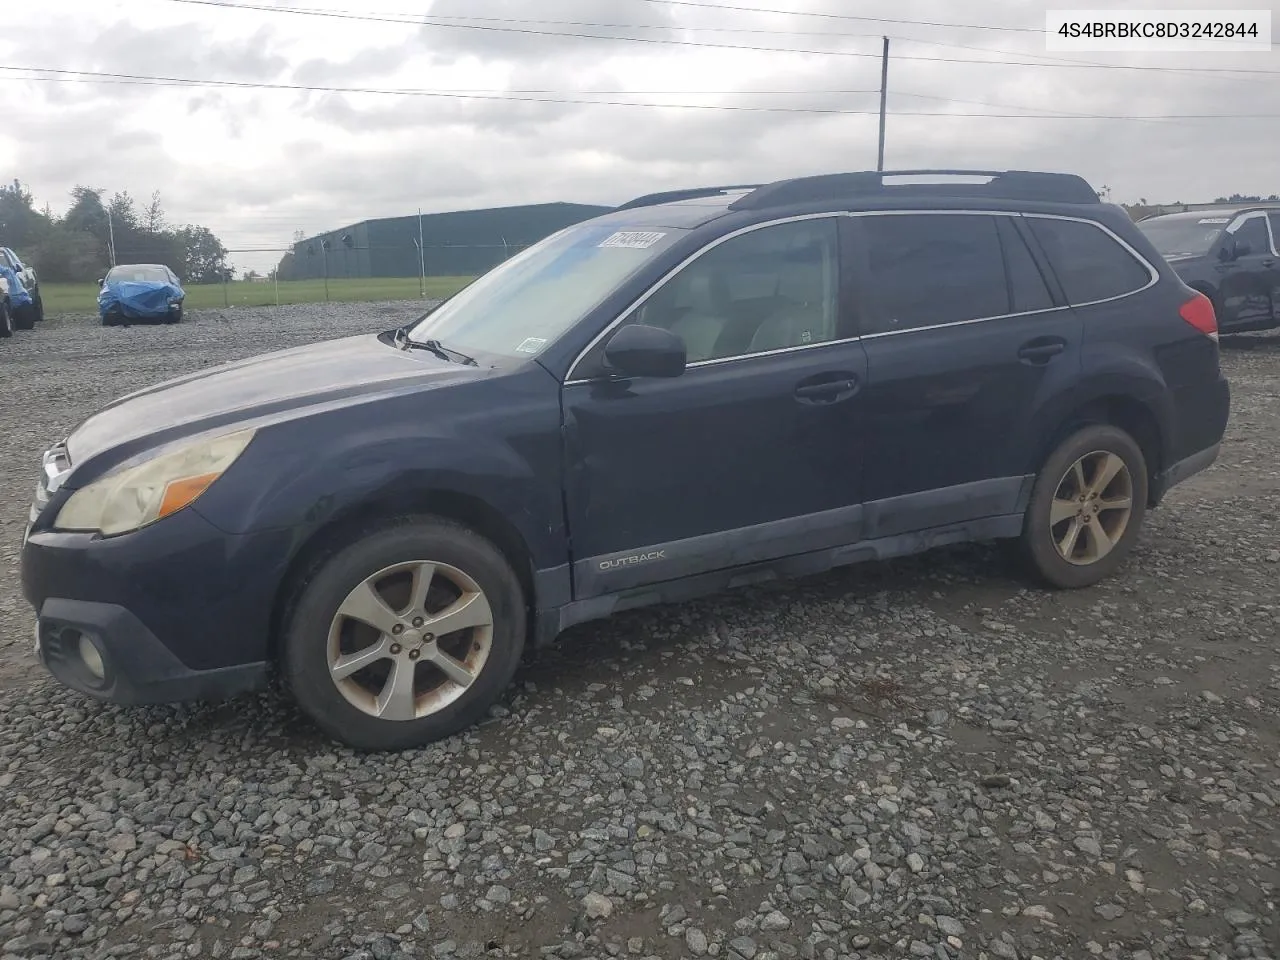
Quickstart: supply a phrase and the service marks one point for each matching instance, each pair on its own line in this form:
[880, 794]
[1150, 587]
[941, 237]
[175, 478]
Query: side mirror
[101, 281]
[637, 350]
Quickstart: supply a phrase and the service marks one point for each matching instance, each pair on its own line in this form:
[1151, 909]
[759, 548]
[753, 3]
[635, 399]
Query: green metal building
[463, 243]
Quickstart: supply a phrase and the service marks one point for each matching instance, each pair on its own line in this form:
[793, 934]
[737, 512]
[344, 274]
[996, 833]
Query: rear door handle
[827, 391]
[1042, 349]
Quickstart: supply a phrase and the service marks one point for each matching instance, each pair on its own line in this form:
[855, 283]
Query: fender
[1117, 376]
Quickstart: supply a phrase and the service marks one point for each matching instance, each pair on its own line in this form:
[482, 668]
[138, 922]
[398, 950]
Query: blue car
[140, 291]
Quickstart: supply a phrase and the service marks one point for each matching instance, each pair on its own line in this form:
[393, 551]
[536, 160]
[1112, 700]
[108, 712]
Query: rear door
[963, 337]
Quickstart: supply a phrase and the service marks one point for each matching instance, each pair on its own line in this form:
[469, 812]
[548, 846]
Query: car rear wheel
[6, 321]
[406, 635]
[39, 307]
[24, 317]
[1086, 508]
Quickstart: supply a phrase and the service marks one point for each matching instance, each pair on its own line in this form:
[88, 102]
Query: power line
[91, 76]
[181, 82]
[669, 41]
[740, 9]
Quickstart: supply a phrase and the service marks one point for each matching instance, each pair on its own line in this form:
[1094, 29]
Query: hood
[272, 386]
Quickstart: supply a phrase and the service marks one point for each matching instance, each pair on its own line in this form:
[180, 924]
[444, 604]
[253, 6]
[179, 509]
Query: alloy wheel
[410, 640]
[1091, 508]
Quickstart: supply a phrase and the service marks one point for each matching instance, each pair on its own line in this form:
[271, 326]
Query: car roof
[1001, 188]
[1215, 212]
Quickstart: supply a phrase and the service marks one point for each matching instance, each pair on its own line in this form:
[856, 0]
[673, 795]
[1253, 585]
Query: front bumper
[127, 663]
[177, 610]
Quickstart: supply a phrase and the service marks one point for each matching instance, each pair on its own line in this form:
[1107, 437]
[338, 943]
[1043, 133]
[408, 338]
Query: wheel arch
[468, 510]
[1122, 410]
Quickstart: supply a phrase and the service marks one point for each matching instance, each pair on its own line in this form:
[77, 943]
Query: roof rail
[671, 196]
[1004, 184]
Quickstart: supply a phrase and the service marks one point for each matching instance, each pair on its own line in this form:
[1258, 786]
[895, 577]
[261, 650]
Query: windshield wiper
[434, 346]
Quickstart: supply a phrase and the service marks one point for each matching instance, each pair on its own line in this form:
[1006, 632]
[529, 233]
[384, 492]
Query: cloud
[257, 164]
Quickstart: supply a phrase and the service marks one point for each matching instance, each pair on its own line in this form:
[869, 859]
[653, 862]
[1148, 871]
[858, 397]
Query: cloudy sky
[282, 153]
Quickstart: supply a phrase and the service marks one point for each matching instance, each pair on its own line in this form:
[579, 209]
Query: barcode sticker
[632, 240]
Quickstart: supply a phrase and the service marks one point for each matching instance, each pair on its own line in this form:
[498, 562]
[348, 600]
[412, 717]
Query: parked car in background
[702, 389]
[1231, 255]
[140, 291]
[6, 314]
[27, 277]
[18, 310]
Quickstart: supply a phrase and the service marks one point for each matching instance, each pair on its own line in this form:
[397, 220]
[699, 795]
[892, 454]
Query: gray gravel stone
[922, 758]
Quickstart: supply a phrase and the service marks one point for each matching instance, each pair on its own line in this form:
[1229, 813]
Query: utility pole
[422, 260]
[111, 237]
[884, 92]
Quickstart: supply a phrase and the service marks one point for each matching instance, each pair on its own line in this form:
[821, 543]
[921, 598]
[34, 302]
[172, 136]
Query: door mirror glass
[637, 350]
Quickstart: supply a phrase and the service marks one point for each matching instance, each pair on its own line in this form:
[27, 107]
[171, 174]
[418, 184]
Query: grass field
[83, 297]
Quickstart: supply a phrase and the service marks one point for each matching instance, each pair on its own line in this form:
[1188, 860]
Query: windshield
[520, 306]
[141, 273]
[1184, 236]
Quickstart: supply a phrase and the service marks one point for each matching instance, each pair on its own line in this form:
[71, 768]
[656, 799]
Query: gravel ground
[919, 759]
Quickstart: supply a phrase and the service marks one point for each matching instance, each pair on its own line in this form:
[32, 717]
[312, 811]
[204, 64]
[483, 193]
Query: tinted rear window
[1089, 263]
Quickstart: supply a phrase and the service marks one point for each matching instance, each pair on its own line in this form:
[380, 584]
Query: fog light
[92, 658]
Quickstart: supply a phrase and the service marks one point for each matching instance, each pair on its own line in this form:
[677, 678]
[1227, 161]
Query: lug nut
[418, 621]
[396, 648]
[398, 629]
[414, 654]
[428, 637]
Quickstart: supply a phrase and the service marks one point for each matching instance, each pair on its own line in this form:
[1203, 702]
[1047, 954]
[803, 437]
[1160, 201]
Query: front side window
[1253, 231]
[771, 288]
[927, 270]
[1089, 263]
[520, 306]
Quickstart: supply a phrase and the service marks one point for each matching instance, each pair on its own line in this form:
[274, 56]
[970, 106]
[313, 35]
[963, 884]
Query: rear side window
[925, 270]
[1027, 289]
[1275, 231]
[1089, 263]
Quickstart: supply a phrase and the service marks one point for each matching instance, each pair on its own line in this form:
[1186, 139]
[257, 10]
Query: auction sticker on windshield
[632, 240]
[1215, 220]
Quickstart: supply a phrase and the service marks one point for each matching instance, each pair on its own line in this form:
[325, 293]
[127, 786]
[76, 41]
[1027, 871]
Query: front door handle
[1268, 263]
[826, 391]
[1041, 350]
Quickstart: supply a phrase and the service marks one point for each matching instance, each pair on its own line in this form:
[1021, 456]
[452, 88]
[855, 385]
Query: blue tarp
[18, 296]
[138, 298]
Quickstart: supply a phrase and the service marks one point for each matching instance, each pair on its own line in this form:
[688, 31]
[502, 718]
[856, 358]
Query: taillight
[1198, 311]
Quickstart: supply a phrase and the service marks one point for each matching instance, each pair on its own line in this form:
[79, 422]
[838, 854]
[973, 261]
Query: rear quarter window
[1089, 263]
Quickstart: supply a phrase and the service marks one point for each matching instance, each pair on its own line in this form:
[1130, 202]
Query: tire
[6, 322]
[1088, 448]
[174, 317]
[24, 318]
[39, 305]
[316, 633]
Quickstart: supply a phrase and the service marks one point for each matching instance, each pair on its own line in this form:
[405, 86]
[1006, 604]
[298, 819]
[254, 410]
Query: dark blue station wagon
[699, 390]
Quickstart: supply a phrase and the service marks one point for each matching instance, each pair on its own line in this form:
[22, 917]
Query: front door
[1247, 279]
[754, 452]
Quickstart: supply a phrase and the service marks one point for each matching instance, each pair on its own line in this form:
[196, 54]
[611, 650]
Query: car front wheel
[1086, 507]
[406, 635]
[6, 321]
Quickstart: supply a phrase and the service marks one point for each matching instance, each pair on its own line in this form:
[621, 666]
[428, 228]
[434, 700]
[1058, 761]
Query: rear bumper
[127, 663]
[1184, 468]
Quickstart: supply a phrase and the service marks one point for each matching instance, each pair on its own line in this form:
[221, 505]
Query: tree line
[77, 247]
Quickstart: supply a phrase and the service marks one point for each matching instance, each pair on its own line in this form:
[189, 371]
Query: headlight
[151, 491]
